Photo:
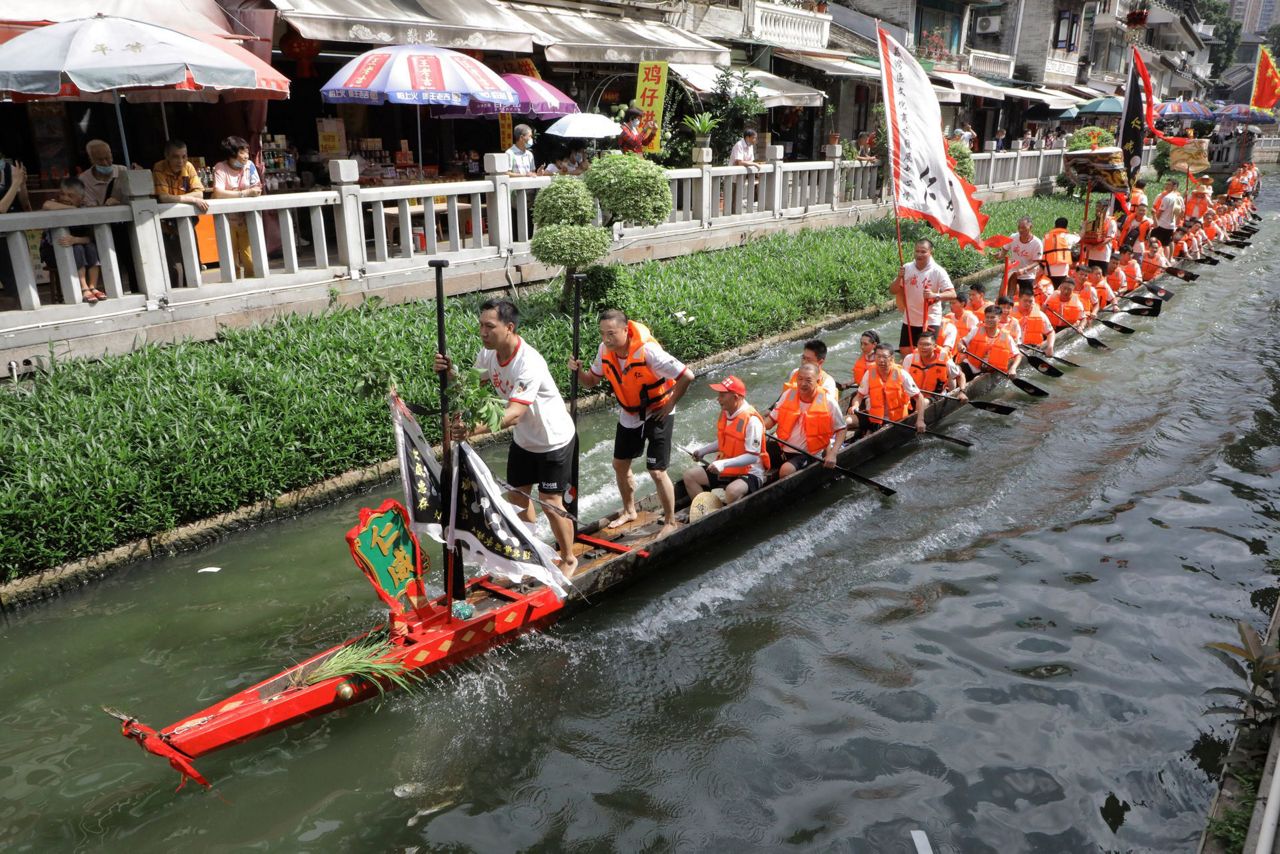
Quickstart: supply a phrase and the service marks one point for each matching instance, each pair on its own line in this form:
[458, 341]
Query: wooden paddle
[1239, 244]
[1142, 299]
[1162, 293]
[1118, 327]
[1030, 388]
[1179, 273]
[1212, 262]
[1096, 343]
[1067, 362]
[1226, 255]
[1041, 365]
[984, 405]
[880, 419]
[850, 473]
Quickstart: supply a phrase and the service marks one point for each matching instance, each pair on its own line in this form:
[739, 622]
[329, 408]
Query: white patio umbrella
[585, 125]
[105, 54]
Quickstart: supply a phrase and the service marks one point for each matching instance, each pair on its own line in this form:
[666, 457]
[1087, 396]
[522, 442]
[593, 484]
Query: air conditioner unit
[987, 24]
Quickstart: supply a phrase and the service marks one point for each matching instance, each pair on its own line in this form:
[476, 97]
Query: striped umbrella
[1190, 110]
[538, 98]
[417, 74]
[1244, 114]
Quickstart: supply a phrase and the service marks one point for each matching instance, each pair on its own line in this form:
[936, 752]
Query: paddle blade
[1226, 255]
[1042, 366]
[1110, 324]
[988, 406]
[1144, 312]
[1095, 343]
[1030, 388]
[1149, 302]
[866, 481]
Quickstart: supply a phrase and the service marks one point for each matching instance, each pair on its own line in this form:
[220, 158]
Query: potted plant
[833, 136]
[701, 125]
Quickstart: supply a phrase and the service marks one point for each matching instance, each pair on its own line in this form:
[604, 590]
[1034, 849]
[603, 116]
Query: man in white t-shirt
[1026, 250]
[744, 151]
[647, 382]
[542, 443]
[920, 287]
[1168, 213]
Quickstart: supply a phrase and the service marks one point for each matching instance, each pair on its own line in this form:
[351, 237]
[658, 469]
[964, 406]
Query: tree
[1272, 36]
[1218, 13]
[737, 102]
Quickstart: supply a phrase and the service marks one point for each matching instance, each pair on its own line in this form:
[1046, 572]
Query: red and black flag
[1132, 129]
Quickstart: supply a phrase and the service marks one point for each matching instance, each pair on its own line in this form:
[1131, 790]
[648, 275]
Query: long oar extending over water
[934, 433]
[1041, 365]
[1097, 343]
[984, 405]
[1030, 388]
[1226, 255]
[1032, 347]
[850, 473]
[1212, 262]
[1179, 273]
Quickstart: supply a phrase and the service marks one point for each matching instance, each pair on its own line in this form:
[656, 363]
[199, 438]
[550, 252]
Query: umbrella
[585, 125]
[1106, 106]
[537, 98]
[105, 54]
[417, 74]
[1244, 114]
[1069, 113]
[1183, 110]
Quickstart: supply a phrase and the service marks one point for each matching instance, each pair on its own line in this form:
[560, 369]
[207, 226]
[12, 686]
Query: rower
[919, 288]
[815, 353]
[977, 301]
[807, 417]
[890, 392]
[1131, 265]
[647, 382]
[1008, 322]
[1153, 260]
[1138, 195]
[991, 344]
[741, 459]
[1136, 226]
[1100, 294]
[867, 342]
[1178, 245]
[1199, 200]
[1116, 277]
[1057, 249]
[1064, 308]
[965, 321]
[1037, 331]
[542, 445]
[933, 370]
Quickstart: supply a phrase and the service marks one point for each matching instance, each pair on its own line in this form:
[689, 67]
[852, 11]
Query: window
[1066, 32]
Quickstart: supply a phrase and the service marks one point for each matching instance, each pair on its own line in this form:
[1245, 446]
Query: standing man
[542, 446]
[647, 382]
[920, 288]
[741, 458]
[1168, 213]
[1057, 250]
[1097, 243]
[521, 152]
[1026, 250]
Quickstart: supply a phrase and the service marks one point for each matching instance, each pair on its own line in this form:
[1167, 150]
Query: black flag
[1132, 127]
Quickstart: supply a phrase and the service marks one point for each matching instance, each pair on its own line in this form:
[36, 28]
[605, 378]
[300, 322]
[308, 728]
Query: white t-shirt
[916, 283]
[908, 383]
[1103, 253]
[1170, 211]
[525, 378]
[521, 161]
[1026, 254]
[797, 437]
[953, 372]
[660, 362]
[742, 150]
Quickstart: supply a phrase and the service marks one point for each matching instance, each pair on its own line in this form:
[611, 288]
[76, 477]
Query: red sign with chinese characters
[368, 69]
[425, 73]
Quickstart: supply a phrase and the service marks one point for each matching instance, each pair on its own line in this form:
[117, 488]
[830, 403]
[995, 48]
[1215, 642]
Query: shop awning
[580, 36]
[967, 84]
[1060, 100]
[190, 16]
[470, 24]
[835, 64]
[773, 90]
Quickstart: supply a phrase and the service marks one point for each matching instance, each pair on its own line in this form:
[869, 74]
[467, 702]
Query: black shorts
[629, 443]
[1057, 280]
[1164, 235]
[800, 461]
[911, 334]
[550, 470]
[716, 481]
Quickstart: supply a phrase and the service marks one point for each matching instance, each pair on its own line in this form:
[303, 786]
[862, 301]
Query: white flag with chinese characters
[924, 184]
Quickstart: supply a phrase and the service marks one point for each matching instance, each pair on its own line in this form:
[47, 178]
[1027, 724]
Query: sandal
[99, 294]
[89, 296]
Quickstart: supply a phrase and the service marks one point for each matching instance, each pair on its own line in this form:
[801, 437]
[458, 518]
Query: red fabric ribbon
[1150, 102]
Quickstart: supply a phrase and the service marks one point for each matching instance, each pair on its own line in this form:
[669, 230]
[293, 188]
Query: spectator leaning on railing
[176, 181]
[104, 185]
[237, 178]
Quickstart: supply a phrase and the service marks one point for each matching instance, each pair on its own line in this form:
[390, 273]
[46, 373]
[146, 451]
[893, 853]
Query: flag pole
[893, 193]
[573, 398]
[454, 587]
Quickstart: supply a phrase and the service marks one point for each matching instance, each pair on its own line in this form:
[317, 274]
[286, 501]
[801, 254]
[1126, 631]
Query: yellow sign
[651, 96]
[505, 139]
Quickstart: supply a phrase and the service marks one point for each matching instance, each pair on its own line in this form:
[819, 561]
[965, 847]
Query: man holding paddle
[741, 458]
[920, 288]
[810, 425]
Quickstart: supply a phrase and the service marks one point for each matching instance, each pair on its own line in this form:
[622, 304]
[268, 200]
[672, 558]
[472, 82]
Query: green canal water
[1008, 656]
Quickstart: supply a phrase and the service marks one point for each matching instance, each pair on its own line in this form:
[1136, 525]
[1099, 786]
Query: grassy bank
[94, 455]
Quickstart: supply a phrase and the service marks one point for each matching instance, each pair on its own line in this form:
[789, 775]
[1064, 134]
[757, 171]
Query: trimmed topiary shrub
[566, 201]
[1083, 138]
[630, 189]
[572, 246]
[963, 157]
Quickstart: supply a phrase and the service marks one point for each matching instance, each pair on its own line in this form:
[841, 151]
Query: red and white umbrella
[417, 74]
[538, 98]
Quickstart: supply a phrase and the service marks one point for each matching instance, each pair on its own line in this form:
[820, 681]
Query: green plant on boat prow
[361, 661]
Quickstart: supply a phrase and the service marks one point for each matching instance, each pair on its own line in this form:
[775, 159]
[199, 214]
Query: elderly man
[521, 152]
[741, 458]
[176, 181]
[744, 150]
[890, 393]
[104, 185]
[809, 421]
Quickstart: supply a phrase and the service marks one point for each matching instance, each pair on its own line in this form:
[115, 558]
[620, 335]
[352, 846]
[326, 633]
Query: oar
[1239, 244]
[1041, 365]
[1067, 362]
[1118, 327]
[1162, 293]
[1142, 299]
[1096, 343]
[1030, 388]
[1179, 273]
[1226, 255]
[1212, 262]
[850, 473]
[934, 433]
[985, 405]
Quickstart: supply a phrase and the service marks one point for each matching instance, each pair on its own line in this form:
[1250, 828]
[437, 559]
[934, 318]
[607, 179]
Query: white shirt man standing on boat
[920, 288]
[542, 444]
[741, 459]
[647, 382]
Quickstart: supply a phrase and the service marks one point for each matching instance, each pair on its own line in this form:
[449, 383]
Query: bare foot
[625, 517]
[569, 566]
[669, 528]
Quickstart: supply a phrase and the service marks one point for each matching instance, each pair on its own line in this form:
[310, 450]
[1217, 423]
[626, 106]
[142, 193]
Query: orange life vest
[1097, 294]
[1044, 289]
[1211, 230]
[1056, 248]
[860, 368]
[887, 398]
[1035, 326]
[965, 322]
[931, 376]
[1072, 311]
[947, 330]
[1152, 267]
[999, 351]
[638, 389]
[823, 378]
[817, 419]
[1197, 205]
[979, 308]
[1235, 187]
[731, 440]
[1133, 272]
[1009, 323]
[1118, 281]
[1084, 293]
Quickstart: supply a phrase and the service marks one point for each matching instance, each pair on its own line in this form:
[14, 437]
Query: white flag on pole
[924, 184]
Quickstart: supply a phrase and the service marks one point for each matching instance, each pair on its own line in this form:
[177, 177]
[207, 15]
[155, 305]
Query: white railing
[157, 256]
[987, 62]
[788, 26]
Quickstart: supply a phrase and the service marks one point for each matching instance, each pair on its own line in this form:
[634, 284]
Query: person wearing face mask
[521, 152]
[104, 185]
[237, 178]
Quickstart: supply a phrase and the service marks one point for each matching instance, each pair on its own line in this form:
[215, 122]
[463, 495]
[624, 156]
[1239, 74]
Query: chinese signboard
[651, 95]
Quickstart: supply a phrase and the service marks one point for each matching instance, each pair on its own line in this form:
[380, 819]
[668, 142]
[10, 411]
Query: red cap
[731, 384]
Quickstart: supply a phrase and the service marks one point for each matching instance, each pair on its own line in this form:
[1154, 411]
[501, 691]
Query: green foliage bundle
[630, 189]
[574, 246]
[737, 103]
[963, 157]
[565, 201]
[1083, 139]
[168, 435]
[362, 661]
[1160, 162]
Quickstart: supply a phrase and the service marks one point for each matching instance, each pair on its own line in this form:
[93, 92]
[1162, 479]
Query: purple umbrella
[537, 98]
[1183, 110]
[1244, 114]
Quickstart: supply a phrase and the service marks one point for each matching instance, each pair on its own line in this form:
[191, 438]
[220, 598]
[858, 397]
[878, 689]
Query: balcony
[786, 26]
[992, 64]
[1060, 70]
